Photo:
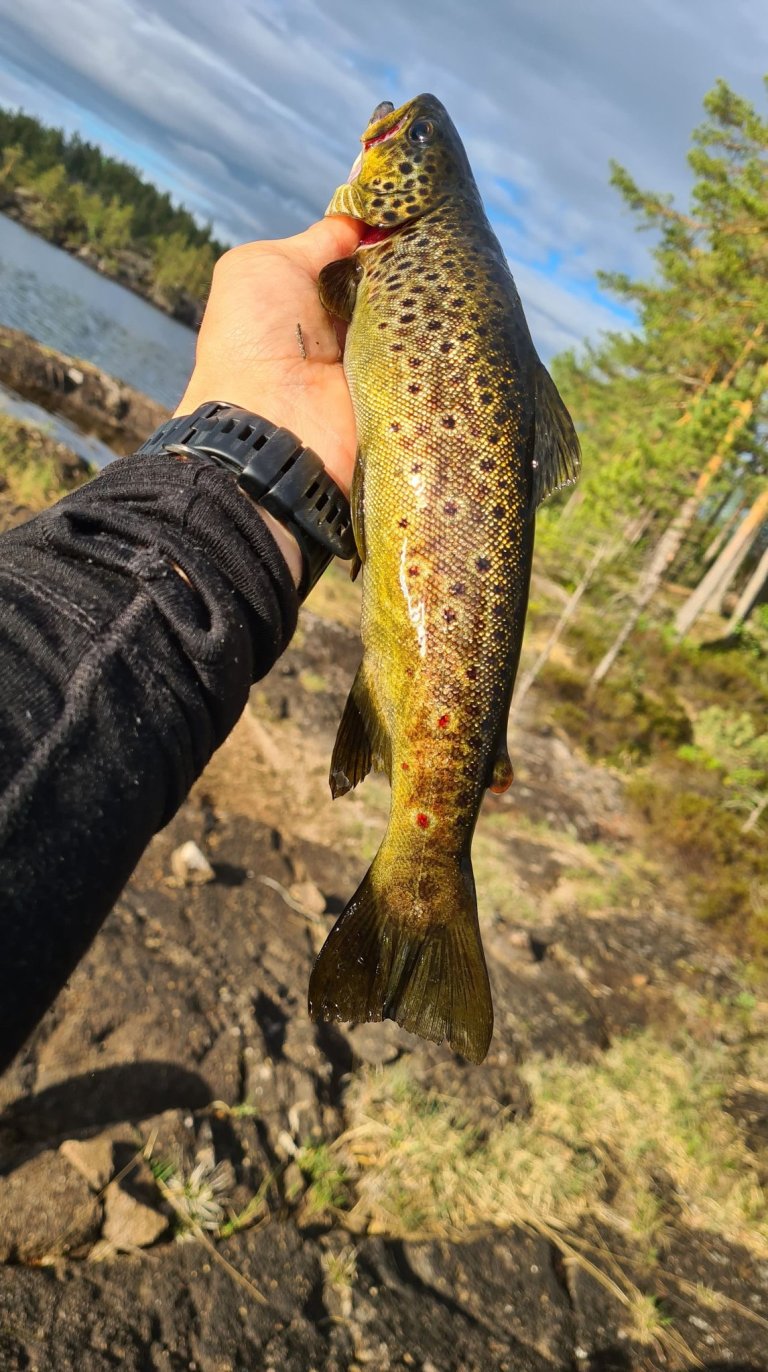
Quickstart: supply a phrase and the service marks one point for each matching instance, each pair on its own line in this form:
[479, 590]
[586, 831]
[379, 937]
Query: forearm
[118, 679]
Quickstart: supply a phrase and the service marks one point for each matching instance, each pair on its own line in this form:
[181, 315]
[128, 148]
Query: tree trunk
[671, 540]
[749, 595]
[717, 580]
[528, 678]
[664, 553]
[722, 535]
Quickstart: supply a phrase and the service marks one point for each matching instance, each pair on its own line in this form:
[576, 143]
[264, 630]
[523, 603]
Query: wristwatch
[275, 469]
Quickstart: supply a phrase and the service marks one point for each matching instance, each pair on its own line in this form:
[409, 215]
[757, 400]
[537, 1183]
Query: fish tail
[384, 960]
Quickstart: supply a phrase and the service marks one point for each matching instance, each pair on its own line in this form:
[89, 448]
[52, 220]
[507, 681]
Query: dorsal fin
[556, 453]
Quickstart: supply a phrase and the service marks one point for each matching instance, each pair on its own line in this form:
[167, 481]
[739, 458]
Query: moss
[725, 870]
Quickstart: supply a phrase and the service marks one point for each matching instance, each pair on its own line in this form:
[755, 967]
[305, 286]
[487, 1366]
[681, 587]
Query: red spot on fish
[406, 766]
[422, 821]
[413, 571]
[443, 721]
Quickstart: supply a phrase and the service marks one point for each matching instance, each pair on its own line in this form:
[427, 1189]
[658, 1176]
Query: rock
[93, 1159]
[309, 895]
[379, 1043]
[130, 1219]
[47, 1209]
[190, 866]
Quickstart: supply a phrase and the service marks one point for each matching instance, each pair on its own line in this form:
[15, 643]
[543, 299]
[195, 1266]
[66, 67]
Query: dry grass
[637, 1137]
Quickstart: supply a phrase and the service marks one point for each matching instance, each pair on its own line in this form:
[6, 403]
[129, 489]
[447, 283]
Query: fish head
[412, 160]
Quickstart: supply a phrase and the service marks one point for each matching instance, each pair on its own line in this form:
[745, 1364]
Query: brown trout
[461, 433]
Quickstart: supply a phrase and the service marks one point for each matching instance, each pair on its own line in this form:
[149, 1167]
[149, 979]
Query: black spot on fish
[378, 202]
[498, 511]
[493, 439]
[405, 168]
[402, 523]
[407, 303]
[458, 301]
[397, 347]
[416, 468]
[458, 588]
[486, 398]
[395, 427]
[449, 616]
[407, 318]
[414, 389]
[462, 337]
[450, 507]
[389, 185]
[390, 216]
[448, 421]
[445, 347]
[483, 564]
[433, 324]
[383, 324]
[487, 464]
[423, 180]
[431, 276]
[472, 673]
[415, 361]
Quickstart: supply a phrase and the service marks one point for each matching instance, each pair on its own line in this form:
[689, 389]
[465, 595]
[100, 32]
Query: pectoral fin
[337, 286]
[556, 455]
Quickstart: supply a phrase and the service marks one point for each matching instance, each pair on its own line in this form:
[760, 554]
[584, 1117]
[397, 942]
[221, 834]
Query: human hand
[249, 351]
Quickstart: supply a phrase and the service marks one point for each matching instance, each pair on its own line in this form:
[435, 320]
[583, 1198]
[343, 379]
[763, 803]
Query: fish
[461, 434]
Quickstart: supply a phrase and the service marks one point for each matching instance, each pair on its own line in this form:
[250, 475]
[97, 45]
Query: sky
[250, 111]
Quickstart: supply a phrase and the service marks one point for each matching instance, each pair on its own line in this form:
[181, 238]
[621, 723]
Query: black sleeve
[117, 682]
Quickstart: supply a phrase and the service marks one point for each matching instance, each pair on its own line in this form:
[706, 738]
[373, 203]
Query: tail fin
[381, 961]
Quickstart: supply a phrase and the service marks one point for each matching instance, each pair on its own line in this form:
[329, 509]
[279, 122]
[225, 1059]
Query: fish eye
[421, 131]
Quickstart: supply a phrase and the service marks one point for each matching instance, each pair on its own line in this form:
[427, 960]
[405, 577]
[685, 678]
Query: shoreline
[93, 401]
[188, 311]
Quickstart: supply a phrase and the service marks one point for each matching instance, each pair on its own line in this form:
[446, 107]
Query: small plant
[340, 1268]
[328, 1178]
[197, 1199]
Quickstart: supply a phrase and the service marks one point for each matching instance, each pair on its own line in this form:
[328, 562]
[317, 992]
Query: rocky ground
[194, 1176]
[84, 394]
[180, 1187]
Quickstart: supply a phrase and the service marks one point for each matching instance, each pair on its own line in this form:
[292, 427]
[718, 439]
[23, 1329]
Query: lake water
[61, 302]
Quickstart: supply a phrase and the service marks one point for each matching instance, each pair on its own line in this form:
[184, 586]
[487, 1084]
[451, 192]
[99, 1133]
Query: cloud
[249, 111]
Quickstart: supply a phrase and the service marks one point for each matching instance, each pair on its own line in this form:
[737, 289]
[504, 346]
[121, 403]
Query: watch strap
[275, 469]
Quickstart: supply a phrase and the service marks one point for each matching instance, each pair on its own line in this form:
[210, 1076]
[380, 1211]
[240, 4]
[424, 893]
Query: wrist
[305, 510]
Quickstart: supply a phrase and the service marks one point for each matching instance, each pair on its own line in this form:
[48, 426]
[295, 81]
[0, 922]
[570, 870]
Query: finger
[324, 242]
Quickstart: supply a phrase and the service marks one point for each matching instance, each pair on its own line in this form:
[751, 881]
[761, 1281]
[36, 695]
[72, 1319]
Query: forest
[658, 657]
[98, 207]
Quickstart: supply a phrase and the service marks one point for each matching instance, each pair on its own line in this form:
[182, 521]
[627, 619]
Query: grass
[637, 1138]
[32, 473]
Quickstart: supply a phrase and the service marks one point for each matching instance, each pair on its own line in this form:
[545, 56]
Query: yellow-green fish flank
[461, 433]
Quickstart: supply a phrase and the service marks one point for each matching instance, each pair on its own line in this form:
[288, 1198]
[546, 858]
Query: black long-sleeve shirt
[117, 683]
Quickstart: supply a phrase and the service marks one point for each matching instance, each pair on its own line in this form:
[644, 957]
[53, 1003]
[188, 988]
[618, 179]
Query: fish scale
[460, 434]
